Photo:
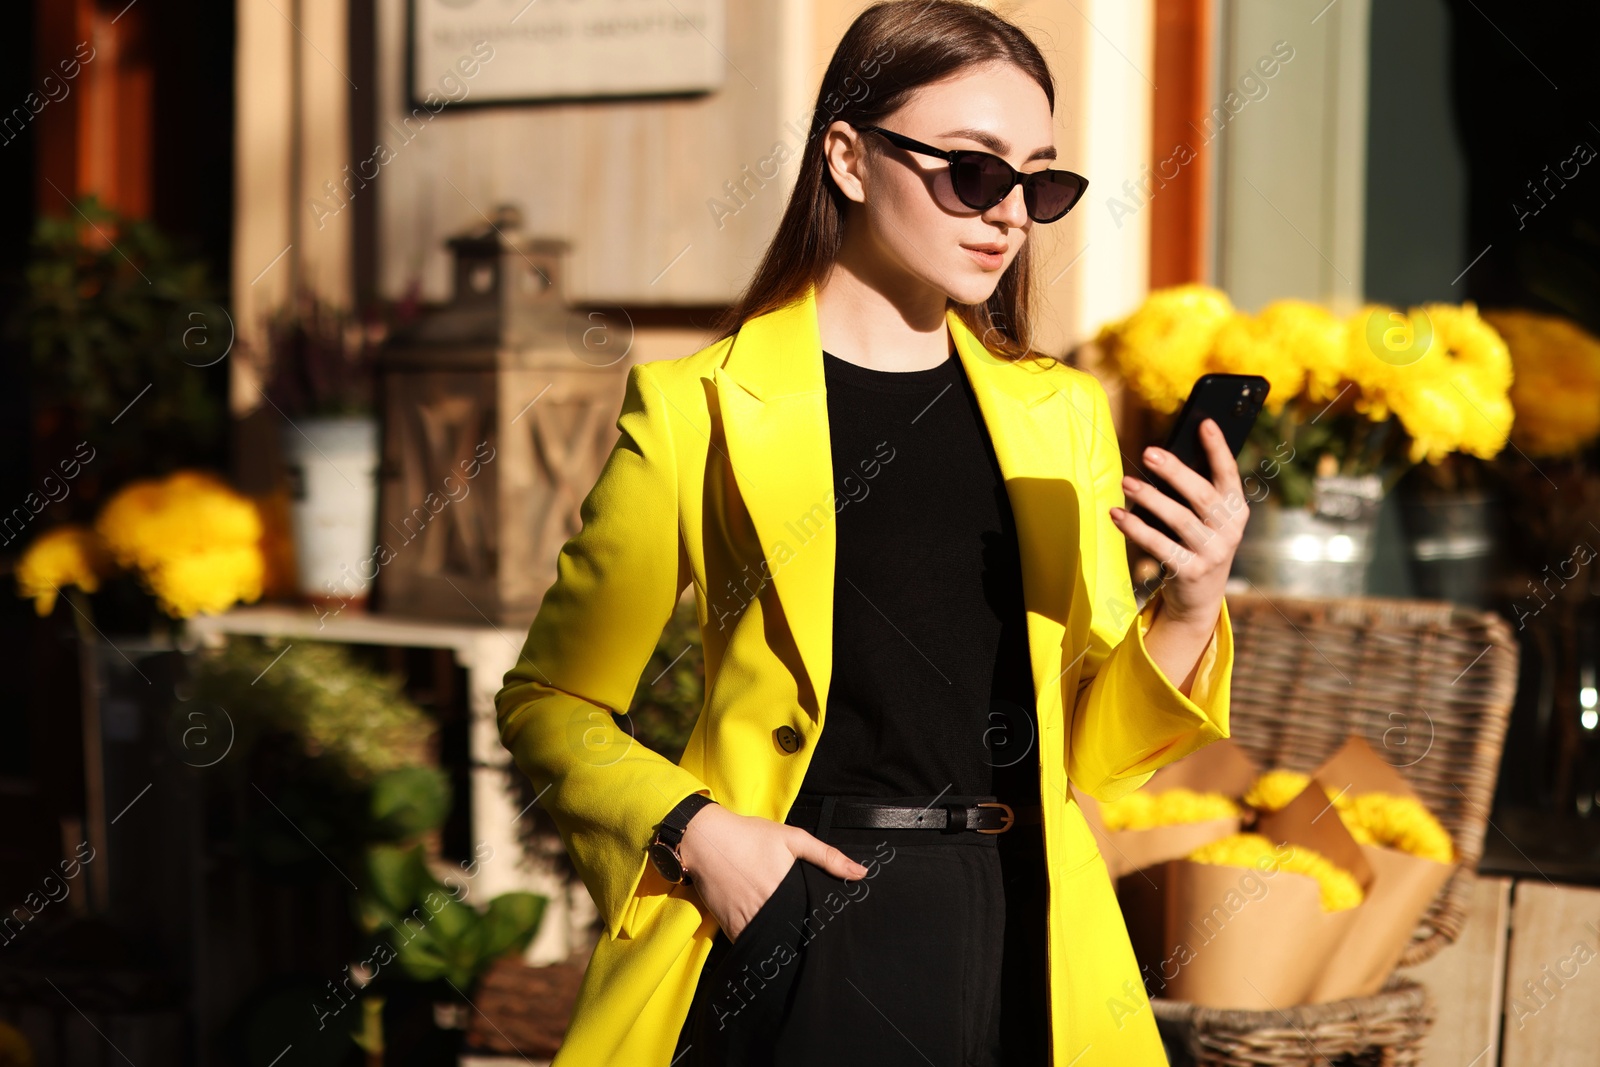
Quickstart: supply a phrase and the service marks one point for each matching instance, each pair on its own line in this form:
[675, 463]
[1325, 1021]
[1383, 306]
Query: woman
[901, 522]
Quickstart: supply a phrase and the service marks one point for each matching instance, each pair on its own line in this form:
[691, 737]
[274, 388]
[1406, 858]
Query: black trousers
[937, 956]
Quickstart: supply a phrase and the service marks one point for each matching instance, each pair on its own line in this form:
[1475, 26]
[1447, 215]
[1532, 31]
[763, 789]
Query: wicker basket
[1383, 1030]
[1430, 686]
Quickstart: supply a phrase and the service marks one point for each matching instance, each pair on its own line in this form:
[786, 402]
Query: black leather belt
[982, 816]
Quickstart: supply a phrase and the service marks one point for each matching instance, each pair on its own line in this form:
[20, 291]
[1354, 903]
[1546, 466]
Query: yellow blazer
[722, 478]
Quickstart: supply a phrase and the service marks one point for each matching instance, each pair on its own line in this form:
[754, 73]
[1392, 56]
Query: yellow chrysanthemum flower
[1238, 850]
[67, 555]
[1294, 344]
[1454, 396]
[1377, 338]
[1338, 888]
[195, 542]
[152, 520]
[1317, 336]
[1142, 810]
[1275, 788]
[209, 582]
[1556, 388]
[1400, 822]
[1165, 345]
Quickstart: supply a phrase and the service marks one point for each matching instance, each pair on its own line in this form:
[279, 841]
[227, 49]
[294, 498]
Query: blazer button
[788, 740]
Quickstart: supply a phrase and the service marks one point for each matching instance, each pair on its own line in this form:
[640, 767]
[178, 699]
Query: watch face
[666, 862]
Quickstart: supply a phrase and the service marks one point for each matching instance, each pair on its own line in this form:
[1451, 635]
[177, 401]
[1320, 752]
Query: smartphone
[1234, 401]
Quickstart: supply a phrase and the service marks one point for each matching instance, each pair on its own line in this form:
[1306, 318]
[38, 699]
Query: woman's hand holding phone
[1210, 527]
[738, 860]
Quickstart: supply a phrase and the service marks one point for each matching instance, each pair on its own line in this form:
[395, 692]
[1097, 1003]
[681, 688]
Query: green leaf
[511, 921]
[455, 923]
[459, 930]
[395, 876]
[410, 801]
[419, 952]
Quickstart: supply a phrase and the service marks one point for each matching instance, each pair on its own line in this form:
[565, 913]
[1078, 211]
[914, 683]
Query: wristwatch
[663, 847]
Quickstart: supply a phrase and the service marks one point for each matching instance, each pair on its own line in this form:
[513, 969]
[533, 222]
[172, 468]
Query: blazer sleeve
[1129, 719]
[618, 580]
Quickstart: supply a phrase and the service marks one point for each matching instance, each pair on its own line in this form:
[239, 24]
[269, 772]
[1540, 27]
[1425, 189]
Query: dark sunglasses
[982, 179]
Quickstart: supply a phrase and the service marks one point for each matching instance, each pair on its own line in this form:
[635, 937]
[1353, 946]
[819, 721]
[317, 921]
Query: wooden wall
[292, 106]
[631, 183]
[634, 199]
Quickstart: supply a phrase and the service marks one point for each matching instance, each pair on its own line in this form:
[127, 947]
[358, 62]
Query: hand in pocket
[738, 861]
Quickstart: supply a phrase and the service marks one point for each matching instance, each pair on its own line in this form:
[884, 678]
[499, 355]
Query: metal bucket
[1450, 540]
[1322, 550]
[332, 468]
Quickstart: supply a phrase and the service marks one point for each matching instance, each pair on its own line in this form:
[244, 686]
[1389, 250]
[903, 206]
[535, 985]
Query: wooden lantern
[498, 411]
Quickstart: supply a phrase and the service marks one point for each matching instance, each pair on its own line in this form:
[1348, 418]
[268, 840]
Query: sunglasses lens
[1051, 194]
[981, 180]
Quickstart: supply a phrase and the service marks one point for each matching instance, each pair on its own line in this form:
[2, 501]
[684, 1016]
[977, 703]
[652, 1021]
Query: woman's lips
[988, 260]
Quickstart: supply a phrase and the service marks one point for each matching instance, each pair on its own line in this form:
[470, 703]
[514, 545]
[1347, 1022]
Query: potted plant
[1355, 402]
[1556, 397]
[347, 760]
[189, 542]
[127, 348]
[1551, 591]
[322, 379]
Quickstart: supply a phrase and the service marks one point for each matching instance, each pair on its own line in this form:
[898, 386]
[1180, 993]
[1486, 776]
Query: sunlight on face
[912, 222]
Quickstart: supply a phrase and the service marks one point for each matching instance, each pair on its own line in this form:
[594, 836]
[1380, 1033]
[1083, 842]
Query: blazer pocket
[1081, 848]
[1077, 863]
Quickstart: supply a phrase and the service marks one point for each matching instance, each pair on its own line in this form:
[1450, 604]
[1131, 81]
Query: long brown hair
[889, 50]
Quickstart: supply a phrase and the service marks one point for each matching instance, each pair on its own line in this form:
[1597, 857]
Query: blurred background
[282, 281]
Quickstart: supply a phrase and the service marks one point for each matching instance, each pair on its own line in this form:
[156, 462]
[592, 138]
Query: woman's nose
[1011, 210]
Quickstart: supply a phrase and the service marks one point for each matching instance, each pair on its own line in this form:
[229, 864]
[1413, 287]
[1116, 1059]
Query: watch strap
[677, 820]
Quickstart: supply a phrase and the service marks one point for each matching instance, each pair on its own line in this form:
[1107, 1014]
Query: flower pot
[1320, 550]
[1450, 541]
[332, 469]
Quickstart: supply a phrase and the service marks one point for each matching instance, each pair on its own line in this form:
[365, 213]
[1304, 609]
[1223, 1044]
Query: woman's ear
[844, 153]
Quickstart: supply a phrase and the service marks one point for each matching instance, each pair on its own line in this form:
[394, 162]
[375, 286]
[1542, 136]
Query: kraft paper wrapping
[1402, 888]
[1242, 937]
[1220, 767]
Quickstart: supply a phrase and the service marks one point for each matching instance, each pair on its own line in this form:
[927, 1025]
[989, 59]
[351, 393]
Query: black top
[931, 689]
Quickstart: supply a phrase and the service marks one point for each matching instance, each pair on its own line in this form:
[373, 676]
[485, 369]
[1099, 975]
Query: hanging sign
[532, 50]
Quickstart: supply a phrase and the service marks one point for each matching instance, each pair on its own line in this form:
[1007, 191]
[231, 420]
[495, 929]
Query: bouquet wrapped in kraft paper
[1250, 921]
[1184, 805]
[1411, 857]
[1317, 902]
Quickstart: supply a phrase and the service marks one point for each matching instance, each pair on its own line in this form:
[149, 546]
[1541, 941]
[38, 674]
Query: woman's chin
[972, 289]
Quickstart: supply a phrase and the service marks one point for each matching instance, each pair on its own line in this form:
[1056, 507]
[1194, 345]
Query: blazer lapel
[774, 412]
[1040, 438]
[773, 401]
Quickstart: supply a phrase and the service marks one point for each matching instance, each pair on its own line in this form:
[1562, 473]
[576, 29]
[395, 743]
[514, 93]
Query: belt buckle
[1010, 816]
